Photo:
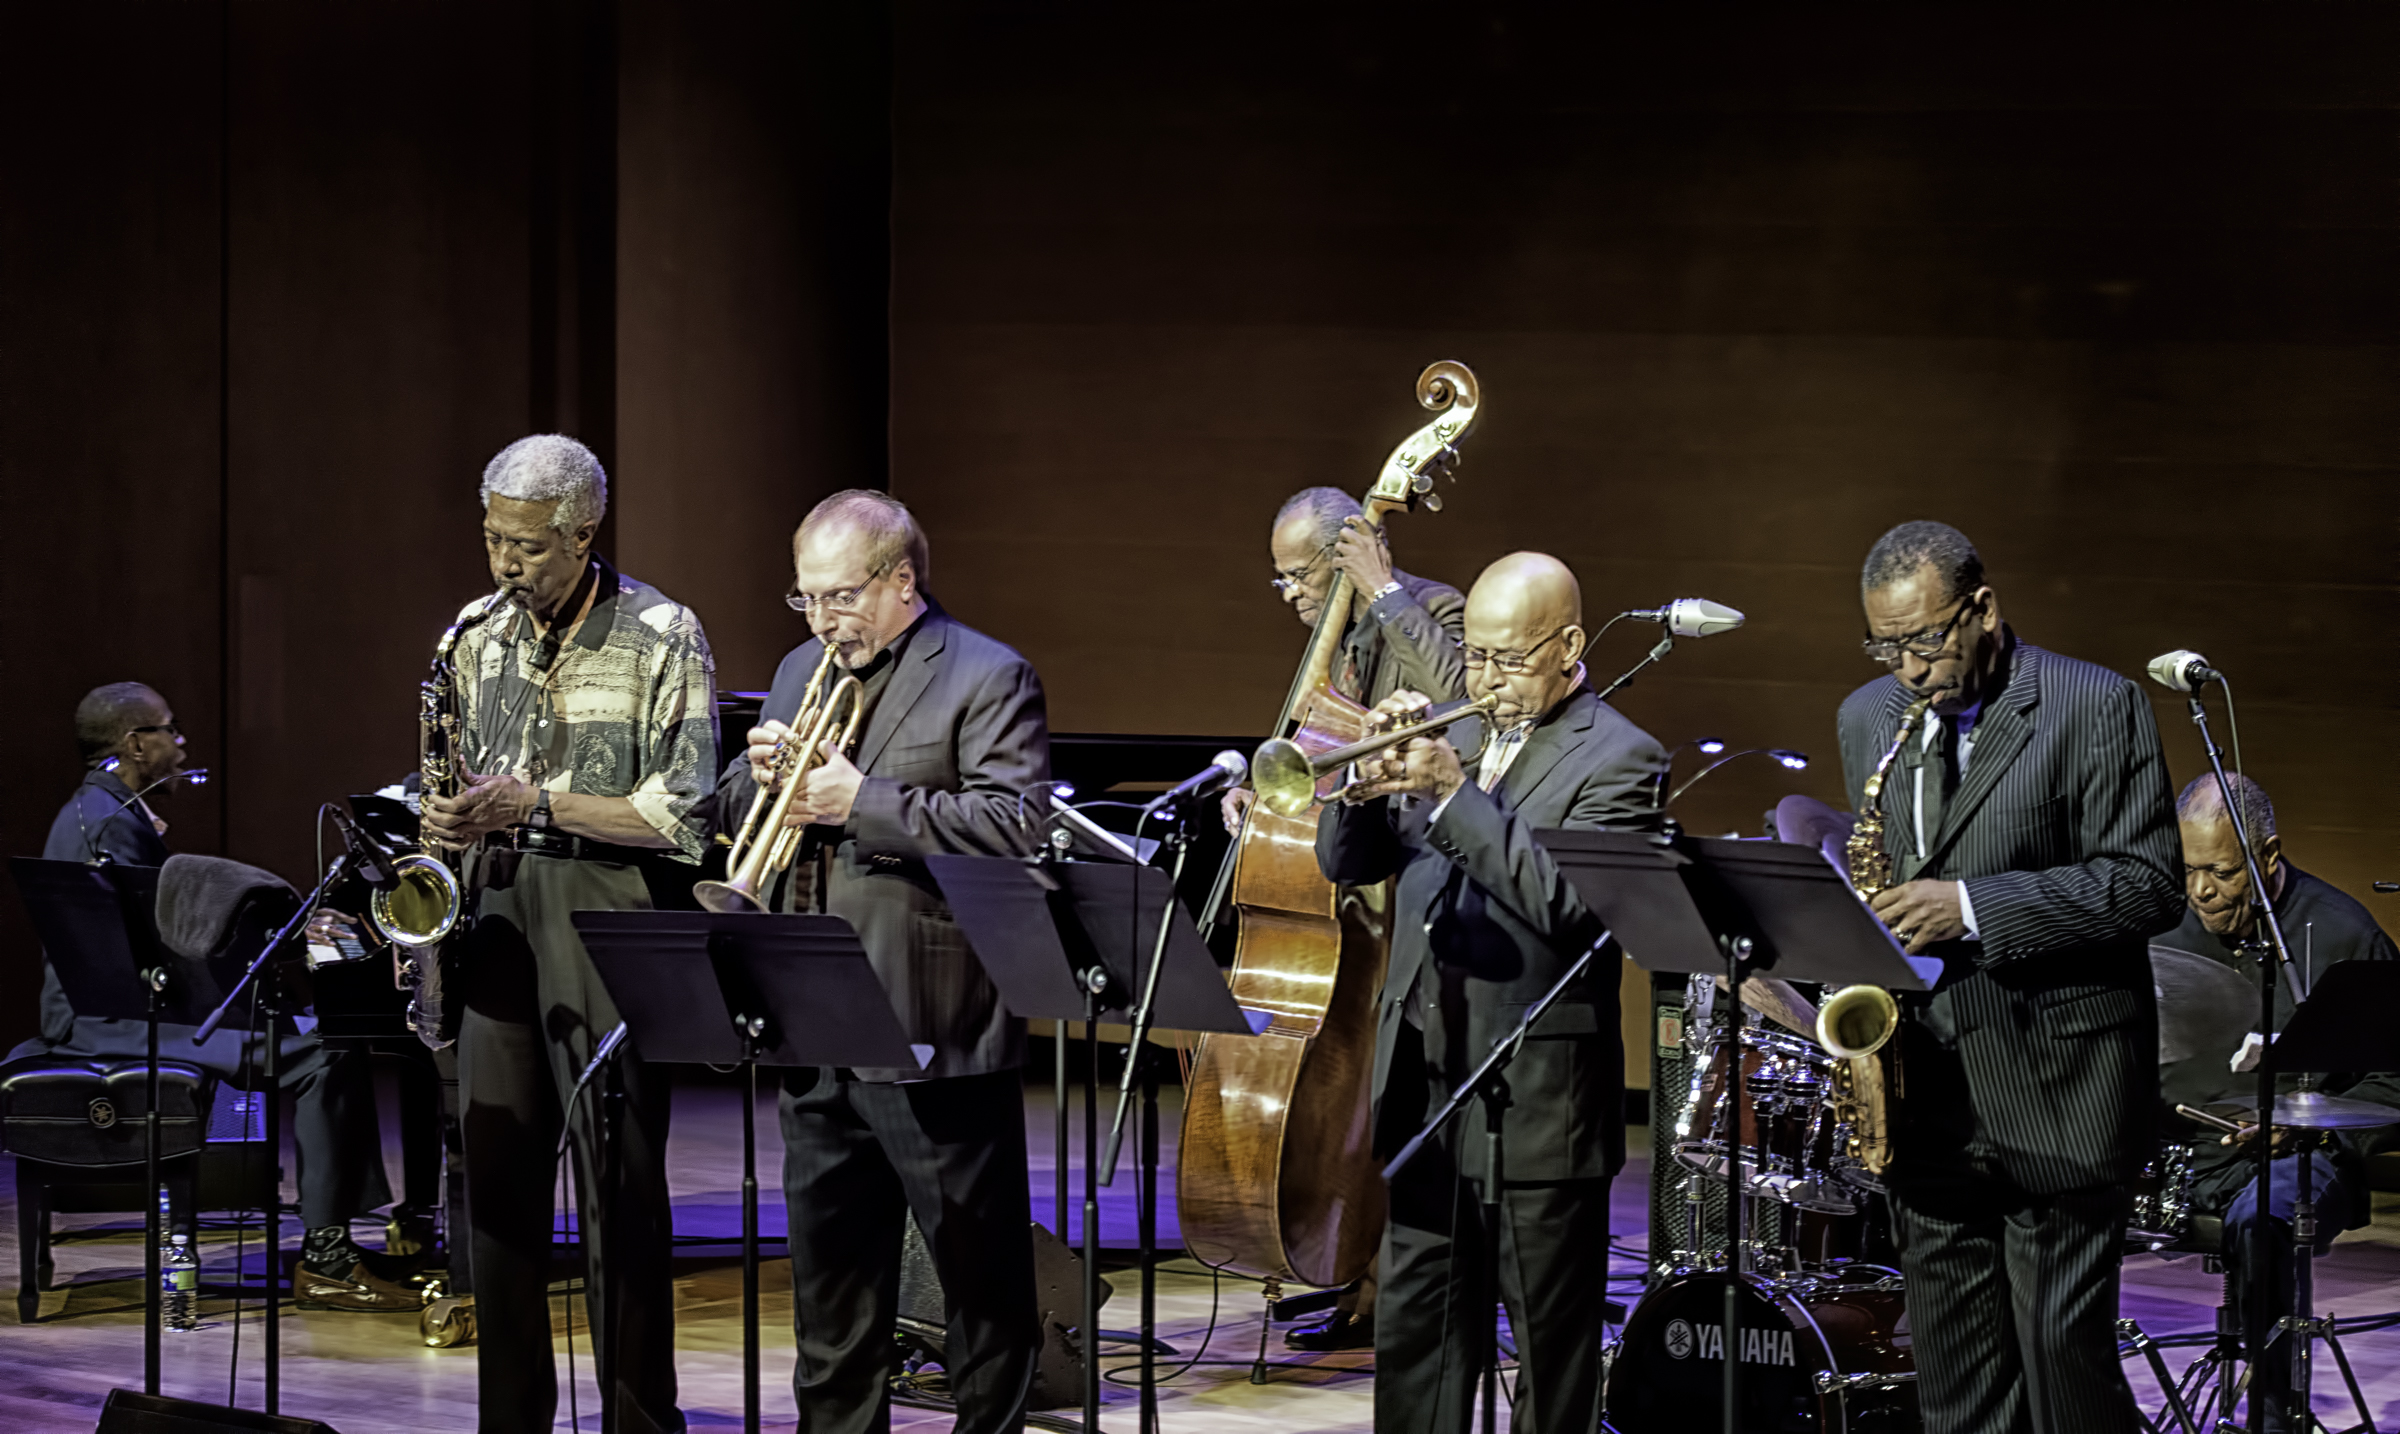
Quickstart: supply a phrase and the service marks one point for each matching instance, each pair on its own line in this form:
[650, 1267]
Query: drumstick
[2230, 1127]
[1778, 1001]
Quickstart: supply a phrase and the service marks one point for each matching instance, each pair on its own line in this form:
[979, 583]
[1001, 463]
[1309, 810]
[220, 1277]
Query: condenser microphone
[369, 860]
[1229, 768]
[1691, 617]
[2182, 670]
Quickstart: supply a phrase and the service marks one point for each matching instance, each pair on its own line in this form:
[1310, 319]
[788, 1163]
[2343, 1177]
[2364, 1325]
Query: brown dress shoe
[354, 1290]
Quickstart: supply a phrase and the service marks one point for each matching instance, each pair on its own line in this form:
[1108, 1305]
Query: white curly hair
[550, 468]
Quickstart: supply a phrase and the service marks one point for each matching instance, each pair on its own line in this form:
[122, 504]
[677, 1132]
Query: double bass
[1276, 1174]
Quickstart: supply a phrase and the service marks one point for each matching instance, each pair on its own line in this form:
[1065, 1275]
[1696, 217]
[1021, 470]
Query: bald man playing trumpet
[1483, 926]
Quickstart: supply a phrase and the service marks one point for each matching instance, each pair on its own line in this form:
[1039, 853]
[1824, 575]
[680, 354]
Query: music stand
[1077, 941]
[2343, 1026]
[746, 989]
[99, 925]
[1746, 907]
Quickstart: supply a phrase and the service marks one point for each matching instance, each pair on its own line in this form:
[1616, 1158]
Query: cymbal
[2204, 1008]
[1805, 821]
[2315, 1110]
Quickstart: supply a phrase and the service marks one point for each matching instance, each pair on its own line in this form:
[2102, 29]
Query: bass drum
[1819, 1356]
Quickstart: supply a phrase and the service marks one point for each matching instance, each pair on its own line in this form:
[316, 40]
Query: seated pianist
[132, 746]
[2221, 921]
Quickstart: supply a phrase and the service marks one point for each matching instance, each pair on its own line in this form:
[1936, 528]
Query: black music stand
[1078, 941]
[745, 989]
[99, 925]
[2344, 1026]
[1702, 905]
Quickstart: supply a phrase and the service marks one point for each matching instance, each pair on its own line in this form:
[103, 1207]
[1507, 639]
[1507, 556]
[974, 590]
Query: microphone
[371, 863]
[1229, 768]
[196, 776]
[2182, 670]
[1691, 617]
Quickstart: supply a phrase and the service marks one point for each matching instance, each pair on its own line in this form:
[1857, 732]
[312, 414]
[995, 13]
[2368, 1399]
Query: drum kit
[1825, 1339]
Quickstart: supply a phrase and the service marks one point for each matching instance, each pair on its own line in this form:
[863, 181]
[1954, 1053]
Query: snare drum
[1786, 1132]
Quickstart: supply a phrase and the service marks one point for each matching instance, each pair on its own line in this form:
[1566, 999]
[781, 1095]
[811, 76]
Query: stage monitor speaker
[132, 1412]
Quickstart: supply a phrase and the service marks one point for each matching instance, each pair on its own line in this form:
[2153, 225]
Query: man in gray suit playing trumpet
[953, 735]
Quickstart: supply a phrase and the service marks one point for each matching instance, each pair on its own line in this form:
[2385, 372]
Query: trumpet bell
[423, 908]
[1857, 1020]
[1283, 777]
[726, 897]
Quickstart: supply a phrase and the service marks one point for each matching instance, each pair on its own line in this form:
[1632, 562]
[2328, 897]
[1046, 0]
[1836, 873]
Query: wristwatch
[539, 818]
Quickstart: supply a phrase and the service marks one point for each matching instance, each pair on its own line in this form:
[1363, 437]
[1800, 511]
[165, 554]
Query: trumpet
[811, 697]
[1285, 776]
[759, 853]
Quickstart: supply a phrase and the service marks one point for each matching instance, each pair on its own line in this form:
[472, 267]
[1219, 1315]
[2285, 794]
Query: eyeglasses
[1929, 643]
[167, 727]
[1285, 580]
[1515, 664]
[844, 601]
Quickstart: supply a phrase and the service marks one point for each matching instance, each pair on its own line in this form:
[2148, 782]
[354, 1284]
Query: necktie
[1941, 779]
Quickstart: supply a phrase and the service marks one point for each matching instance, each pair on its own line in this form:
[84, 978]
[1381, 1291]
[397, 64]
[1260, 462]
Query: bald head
[1525, 610]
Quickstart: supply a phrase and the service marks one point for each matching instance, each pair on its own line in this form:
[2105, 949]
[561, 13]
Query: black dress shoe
[1343, 1331]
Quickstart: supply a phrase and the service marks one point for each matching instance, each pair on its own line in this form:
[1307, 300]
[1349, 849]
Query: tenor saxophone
[418, 914]
[1857, 1023]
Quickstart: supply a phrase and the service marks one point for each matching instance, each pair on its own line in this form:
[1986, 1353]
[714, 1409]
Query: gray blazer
[1409, 639]
[2039, 1050]
[1484, 921]
[956, 739]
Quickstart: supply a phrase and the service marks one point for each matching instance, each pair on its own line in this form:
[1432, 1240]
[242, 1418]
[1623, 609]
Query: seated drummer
[2220, 917]
[132, 745]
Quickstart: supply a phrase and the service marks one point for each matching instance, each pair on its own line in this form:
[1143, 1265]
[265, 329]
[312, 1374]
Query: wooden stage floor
[369, 1373]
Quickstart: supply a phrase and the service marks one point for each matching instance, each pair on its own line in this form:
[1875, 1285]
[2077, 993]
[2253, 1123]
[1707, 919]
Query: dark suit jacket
[1484, 919]
[2039, 1051]
[2326, 927]
[957, 737]
[1409, 639]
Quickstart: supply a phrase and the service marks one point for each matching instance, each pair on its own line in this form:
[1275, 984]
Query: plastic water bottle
[179, 1285]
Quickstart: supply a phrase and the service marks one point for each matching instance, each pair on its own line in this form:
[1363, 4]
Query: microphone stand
[1666, 645]
[2277, 953]
[1489, 1082]
[1178, 835]
[262, 975]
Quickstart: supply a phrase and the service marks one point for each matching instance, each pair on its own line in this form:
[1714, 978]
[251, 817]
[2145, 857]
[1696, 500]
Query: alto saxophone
[420, 912]
[1857, 1023]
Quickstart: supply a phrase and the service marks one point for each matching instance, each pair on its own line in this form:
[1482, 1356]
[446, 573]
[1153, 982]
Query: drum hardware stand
[1489, 1084]
[2281, 955]
[2303, 1325]
[2131, 1336]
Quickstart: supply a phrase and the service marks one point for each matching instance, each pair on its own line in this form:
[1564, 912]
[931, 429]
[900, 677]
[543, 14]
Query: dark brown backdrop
[2113, 292]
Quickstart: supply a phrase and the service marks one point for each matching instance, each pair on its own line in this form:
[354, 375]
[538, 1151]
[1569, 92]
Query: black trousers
[535, 1012]
[1433, 1305]
[858, 1158]
[2013, 1301]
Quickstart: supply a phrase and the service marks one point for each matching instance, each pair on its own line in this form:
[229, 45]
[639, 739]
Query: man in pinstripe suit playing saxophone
[2033, 832]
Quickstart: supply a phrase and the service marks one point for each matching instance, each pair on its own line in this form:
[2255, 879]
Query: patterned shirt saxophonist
[618, 701]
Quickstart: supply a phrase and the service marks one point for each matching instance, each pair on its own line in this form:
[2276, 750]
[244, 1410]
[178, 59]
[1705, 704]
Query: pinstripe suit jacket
[2038, 1054]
